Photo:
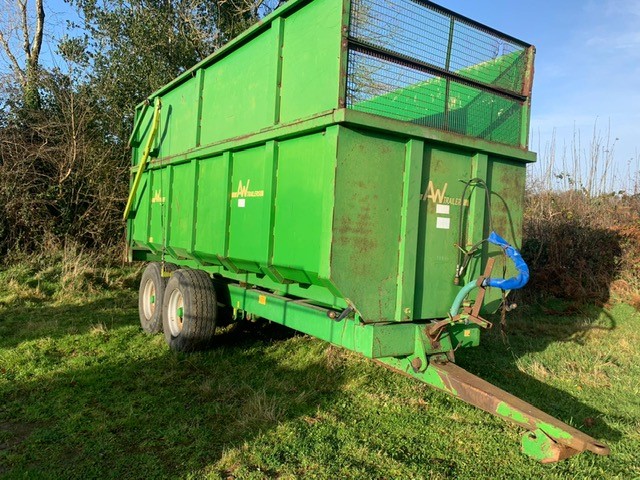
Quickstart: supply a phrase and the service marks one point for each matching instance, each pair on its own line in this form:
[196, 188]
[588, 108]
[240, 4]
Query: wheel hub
[175, 312]
[149, 299]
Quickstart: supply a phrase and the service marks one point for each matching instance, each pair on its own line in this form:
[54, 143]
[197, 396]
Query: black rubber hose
[465, 256]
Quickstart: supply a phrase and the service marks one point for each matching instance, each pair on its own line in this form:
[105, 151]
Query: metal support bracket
[145, 156]
[541, 447]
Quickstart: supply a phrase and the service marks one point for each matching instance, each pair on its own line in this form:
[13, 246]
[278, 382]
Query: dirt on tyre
[150, 296]
[189, 310]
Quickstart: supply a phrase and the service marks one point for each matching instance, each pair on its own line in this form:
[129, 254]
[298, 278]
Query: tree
[60, 178]
[136, 46]
[20, 27]
[64, 163]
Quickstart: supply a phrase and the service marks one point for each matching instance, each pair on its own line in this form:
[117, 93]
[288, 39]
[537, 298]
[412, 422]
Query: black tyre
[150, 295]
[224, 315]
[189, 310]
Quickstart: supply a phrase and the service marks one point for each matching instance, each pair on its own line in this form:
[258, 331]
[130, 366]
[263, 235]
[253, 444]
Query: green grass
[85, 394]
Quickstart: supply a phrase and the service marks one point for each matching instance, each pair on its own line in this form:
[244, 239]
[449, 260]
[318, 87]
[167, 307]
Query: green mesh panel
[415, 62]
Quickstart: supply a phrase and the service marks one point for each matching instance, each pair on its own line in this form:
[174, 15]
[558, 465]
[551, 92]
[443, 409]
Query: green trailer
[342, 168]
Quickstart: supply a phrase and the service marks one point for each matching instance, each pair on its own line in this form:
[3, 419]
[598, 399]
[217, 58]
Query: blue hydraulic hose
[513, 283]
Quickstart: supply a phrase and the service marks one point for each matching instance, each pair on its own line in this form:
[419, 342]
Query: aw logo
[439, 197]
[435, 194]
[244, 191]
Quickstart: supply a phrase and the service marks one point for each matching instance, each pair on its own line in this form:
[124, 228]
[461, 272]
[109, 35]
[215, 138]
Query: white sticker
[443, 222]
[241, 203]
[442, 209]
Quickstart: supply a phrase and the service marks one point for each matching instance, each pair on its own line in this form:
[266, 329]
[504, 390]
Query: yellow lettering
[243, 191]
[434, 194]
[439, 196]
[157, 198]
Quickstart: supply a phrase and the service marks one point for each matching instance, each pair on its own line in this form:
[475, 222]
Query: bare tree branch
[37, 40]
[14, 62]
[26, 45]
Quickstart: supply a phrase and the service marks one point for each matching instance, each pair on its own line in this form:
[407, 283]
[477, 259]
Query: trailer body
[337, 168]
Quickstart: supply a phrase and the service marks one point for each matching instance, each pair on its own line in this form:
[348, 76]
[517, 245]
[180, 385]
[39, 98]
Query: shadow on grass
[496, 360]
[26, 323]
[155, 413]
[134, 409]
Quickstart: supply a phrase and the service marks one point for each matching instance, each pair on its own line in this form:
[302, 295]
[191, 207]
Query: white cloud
[615, 40]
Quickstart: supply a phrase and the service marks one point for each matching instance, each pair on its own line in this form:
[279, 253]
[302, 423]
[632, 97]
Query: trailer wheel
[189, 310]
[150, 295]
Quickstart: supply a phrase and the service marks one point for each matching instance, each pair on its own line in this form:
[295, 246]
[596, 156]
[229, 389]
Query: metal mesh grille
[411, 61]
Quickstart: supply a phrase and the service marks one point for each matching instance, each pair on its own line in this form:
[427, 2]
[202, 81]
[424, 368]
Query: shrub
[580, 247]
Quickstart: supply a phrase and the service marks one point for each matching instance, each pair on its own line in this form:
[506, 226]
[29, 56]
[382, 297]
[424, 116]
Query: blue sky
[587, 64]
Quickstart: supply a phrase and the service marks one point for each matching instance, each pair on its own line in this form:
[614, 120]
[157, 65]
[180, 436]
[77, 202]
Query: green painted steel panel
[158, 211]
[177, 120]
[251, 70]
[306, 171]
[249, 224]
[372, 341]
[142, 133]
[311, 60]
[212, 208]
[411, 196]
[182, 209]
[445, 172]
[333, 213]
[438, 232]
[367, 217]
[138, 229]
[275, 68]
[507, 180]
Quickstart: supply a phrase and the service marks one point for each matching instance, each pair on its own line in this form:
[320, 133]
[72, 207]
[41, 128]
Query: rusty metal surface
[494, 400]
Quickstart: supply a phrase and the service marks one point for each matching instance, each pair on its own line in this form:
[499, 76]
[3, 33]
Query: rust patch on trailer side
[507, 194]
[367, 216]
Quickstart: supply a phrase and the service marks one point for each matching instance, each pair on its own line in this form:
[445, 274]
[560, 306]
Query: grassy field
[85, 394]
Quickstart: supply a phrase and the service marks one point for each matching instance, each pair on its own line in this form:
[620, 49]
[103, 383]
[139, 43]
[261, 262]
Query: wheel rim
[175, 312]
[149, 298]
